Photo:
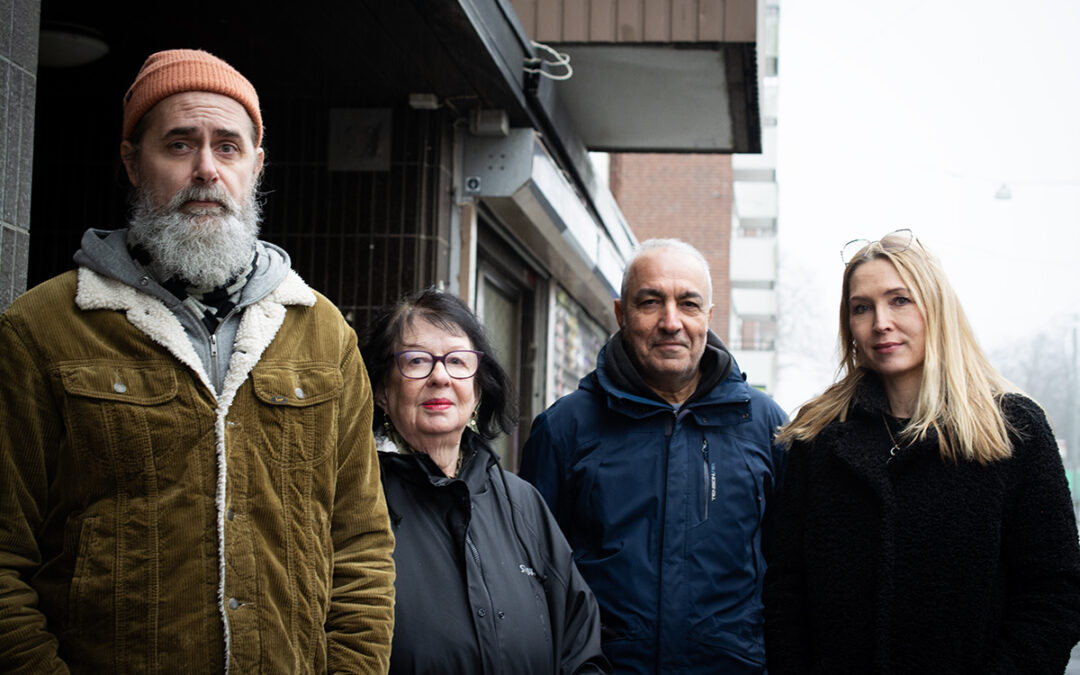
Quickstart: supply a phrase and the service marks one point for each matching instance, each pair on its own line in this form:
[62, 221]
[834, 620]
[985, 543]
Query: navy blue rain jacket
[665, 511]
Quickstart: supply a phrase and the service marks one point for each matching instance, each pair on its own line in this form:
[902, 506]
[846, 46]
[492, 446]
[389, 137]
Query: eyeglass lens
[897, 241]
[459, 364]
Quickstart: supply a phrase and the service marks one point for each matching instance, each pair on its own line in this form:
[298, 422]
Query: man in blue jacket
[661, 471]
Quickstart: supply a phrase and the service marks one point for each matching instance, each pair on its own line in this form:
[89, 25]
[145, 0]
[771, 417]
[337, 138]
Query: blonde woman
[925, 522]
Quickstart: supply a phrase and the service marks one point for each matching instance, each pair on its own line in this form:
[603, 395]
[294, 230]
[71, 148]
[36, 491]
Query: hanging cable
[562, 60]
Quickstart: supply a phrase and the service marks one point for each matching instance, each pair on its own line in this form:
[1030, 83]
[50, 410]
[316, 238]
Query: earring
[472, 418]
[393, 436]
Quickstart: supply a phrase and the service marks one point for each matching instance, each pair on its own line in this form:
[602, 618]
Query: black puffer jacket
[916, 565]
[485, 579]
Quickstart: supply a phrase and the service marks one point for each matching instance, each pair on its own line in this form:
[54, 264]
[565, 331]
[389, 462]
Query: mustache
[203, 193]
[682, 343]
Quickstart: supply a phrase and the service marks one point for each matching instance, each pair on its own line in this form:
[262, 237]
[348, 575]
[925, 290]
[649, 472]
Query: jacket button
[234, 603]
[119, 387]
[144, 281]
[481, 613]
[502, 615]
[299, 392]
[230, 514]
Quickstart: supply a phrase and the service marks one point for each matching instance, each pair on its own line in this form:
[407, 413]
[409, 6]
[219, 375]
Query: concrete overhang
[691, 97]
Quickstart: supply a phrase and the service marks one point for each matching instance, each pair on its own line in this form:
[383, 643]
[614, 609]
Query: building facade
[755, 307]
[409, 144]
[687, 197]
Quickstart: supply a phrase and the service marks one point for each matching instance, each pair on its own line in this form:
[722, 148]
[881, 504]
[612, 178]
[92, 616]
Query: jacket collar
[863, 441]
[417, 467]
[258, 324]
[106, 252]
[721, 384]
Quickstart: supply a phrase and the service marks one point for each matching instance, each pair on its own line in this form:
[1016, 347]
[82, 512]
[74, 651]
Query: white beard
[207, 247]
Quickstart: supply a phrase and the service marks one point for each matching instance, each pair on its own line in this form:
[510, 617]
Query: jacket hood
[106, 252]
[617, 376]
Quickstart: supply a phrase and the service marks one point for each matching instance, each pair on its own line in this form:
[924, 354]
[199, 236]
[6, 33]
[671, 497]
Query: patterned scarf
[210, 305]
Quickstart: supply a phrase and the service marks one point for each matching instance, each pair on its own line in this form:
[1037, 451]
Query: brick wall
[687, 197]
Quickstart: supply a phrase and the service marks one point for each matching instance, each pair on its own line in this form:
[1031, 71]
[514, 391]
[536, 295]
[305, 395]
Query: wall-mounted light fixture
[489, 123]
[69, 45]
[424, 101]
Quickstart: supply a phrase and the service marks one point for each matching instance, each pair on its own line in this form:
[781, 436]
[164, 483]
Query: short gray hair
[675, 244]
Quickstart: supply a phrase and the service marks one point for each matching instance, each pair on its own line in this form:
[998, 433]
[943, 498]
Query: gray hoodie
[106, 252]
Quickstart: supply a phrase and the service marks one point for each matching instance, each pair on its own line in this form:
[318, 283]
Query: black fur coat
[916, 565]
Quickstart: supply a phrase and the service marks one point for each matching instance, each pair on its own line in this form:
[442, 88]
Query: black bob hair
[497, 411]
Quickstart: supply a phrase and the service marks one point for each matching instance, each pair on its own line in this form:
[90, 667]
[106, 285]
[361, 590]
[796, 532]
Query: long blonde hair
[958, 396]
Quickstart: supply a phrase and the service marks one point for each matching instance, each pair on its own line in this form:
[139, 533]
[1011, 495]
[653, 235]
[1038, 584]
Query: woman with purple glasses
[485, 579]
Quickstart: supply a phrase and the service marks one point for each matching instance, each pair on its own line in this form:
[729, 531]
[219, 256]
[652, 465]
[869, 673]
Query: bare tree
[1044, 367]
[806, 334]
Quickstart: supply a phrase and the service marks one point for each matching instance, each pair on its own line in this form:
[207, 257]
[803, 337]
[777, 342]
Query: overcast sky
[915, 115]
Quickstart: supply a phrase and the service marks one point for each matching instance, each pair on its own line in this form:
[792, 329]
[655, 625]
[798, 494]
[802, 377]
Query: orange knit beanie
[178, 70]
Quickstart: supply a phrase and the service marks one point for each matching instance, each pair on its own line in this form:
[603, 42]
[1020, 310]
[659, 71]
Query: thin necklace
[895, 446]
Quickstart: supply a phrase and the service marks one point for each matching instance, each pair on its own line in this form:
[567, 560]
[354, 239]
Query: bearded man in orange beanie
[187, 474]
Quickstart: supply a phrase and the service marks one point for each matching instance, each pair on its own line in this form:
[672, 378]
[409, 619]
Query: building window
[756, 335]
[756, 227]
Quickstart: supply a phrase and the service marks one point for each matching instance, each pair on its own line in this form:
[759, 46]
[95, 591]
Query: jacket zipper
[475, 553]
[214, 350]
[708, 475]
[213, 354]
[498, 659]
[476, 558]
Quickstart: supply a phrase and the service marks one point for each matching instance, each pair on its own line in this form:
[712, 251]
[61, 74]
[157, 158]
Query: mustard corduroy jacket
[149, 525]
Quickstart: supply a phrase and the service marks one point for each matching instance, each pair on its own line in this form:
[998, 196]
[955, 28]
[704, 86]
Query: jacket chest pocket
[298, 408]
[125, 417]
[728, 482]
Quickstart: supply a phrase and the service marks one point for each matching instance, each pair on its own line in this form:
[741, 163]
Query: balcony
[758, 366]
[753, 262]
